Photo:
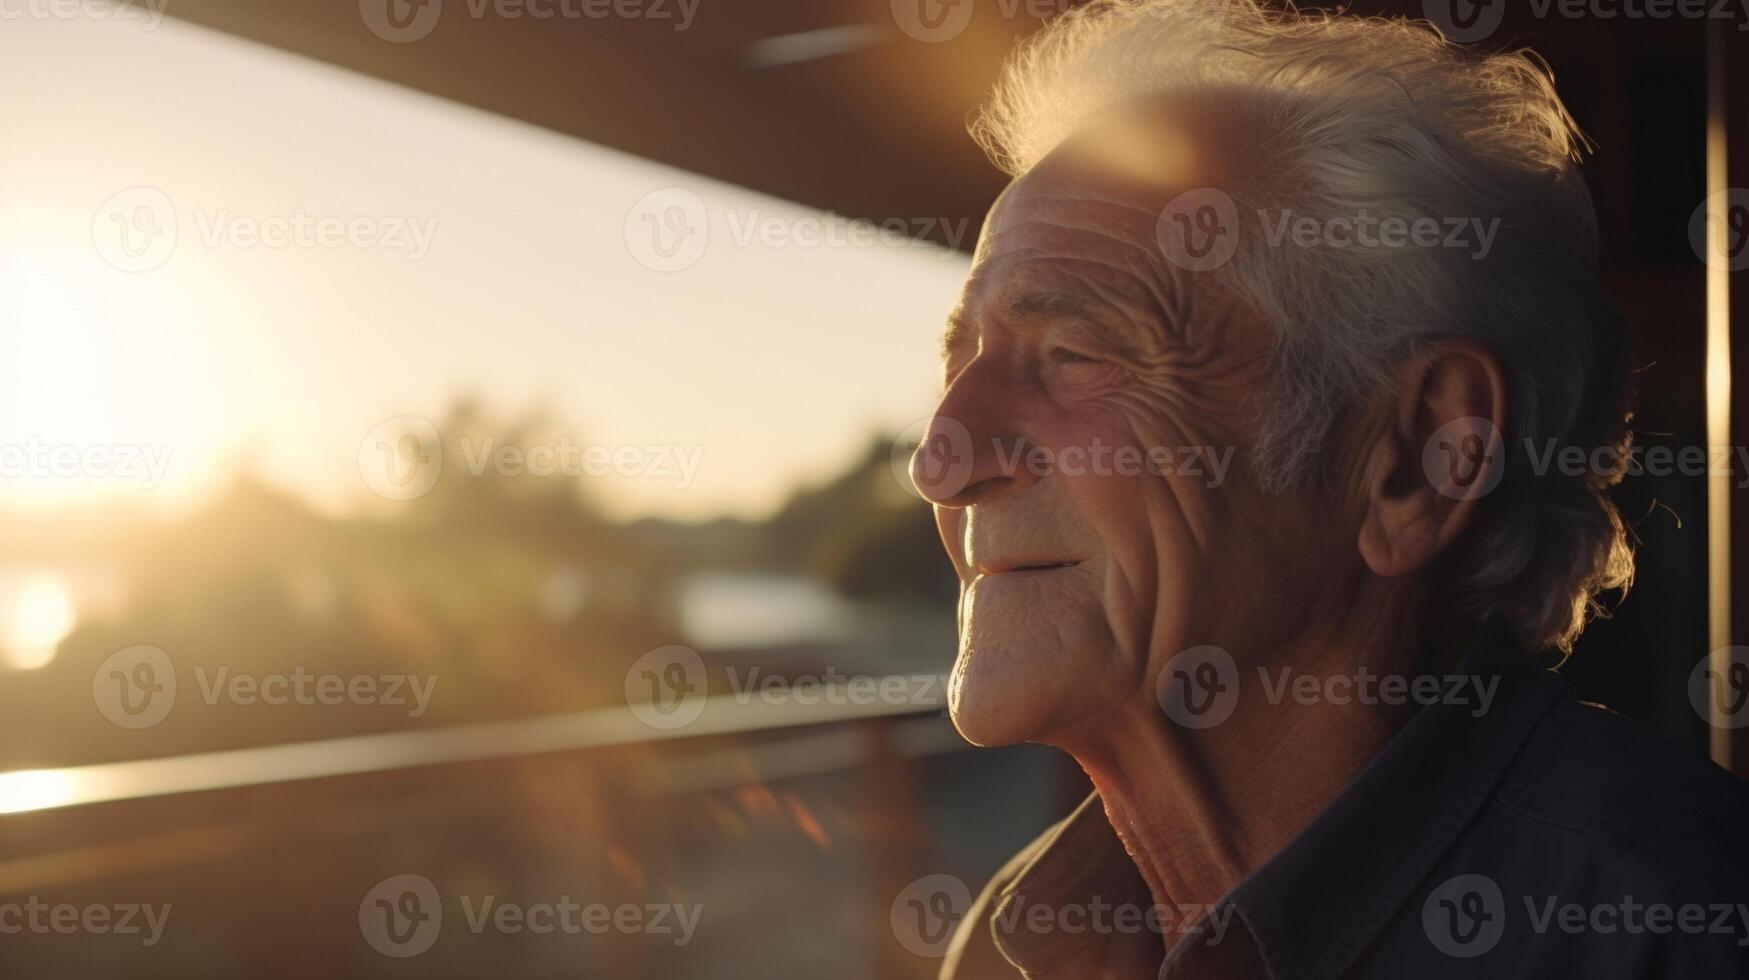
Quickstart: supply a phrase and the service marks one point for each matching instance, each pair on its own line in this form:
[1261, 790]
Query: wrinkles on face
[1082, 335]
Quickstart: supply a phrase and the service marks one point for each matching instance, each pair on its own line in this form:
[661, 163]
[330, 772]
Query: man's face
[1105, 400]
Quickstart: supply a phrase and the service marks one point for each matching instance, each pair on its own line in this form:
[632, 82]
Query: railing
[30, 790]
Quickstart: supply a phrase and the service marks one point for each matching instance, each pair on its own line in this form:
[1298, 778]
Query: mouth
[1022, 567]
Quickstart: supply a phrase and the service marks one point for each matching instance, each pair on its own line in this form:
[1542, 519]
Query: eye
[1063, 355]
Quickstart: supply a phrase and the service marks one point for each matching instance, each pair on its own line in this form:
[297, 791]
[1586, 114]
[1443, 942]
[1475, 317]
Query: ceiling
[874, 131]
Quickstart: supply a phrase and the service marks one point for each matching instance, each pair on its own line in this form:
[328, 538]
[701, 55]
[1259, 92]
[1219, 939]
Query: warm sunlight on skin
[1073, 334]
[525, 295]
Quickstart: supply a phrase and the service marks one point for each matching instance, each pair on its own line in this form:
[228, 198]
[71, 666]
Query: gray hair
[1385, 117]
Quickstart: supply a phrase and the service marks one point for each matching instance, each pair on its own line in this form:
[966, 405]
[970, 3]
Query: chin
[990, 702]
[1025, 676]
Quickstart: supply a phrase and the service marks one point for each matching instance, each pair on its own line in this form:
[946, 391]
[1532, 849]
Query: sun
[37, 618]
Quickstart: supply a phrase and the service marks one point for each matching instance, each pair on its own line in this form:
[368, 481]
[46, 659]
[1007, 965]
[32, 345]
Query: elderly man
[1226, 462]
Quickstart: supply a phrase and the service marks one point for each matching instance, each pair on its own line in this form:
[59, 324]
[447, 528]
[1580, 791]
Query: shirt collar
[1315, 906]
[1082, 862]
[1321, 901]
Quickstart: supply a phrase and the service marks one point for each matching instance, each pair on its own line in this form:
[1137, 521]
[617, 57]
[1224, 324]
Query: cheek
[1168, 519]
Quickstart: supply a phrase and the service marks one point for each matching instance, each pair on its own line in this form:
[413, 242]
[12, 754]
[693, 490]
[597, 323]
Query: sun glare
[37, 618]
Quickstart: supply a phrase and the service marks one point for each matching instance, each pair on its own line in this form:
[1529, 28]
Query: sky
[215, 254]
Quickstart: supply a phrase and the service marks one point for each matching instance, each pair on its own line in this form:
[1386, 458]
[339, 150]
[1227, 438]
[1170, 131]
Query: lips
[1017, 566]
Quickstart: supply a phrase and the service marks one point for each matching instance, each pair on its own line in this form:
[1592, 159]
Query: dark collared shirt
[1542, 837]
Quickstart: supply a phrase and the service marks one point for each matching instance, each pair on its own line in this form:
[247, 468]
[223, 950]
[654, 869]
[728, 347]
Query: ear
[1440, 450]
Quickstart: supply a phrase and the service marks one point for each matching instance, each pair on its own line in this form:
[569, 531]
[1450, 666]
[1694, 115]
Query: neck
[1199, 809]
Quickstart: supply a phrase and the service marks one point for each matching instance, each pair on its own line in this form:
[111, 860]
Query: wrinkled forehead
[1076, 240]
[1114, 176]
[1088, 216]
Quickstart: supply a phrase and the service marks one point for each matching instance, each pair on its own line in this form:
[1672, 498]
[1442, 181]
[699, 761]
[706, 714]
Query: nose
[973, 448]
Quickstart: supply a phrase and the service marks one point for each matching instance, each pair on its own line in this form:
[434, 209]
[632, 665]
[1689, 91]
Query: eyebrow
[1035, 304]
[1026, 304]
[959, 332]
[1047, 304]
